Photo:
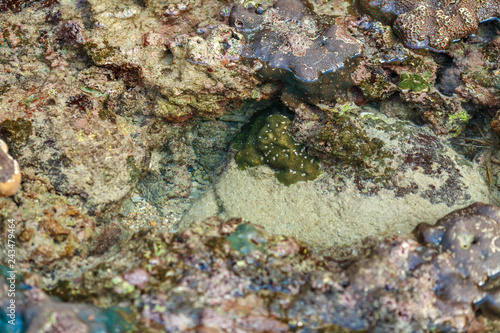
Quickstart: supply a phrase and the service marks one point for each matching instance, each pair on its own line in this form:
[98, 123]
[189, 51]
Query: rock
[388, 70]
[314, 59]
[412, 176]
[469, 242]
[431, 24]
[192, 74]
[232, 275]
[35, 311]
[18, 5]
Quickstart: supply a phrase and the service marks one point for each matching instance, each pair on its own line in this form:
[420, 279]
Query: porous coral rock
[78, 152]
[294, 46]
[194, 74]
[477, 70]
[18, 5]
[50, 227]
[431, 24]
[388, 69]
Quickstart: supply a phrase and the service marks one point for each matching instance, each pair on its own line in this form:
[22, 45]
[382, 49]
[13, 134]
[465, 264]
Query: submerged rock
[375, 163]
[18, 5]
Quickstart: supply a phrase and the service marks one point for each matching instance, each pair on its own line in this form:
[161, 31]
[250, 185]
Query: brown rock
[10, 174]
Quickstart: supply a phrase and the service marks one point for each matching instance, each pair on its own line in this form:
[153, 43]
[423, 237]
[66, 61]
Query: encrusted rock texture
[431, 24]
[227, 276]
[373, 168]
[120, 117]
[297, 48]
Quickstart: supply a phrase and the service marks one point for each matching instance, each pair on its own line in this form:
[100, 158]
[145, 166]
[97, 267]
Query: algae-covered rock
[413, 82]
[191, 73]
[375, 162]
[345, 138]
[387, 70]
[269, 142]
[88, 94]
[232, 273]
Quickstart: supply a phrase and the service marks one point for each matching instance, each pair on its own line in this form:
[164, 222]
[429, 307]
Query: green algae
[413, 82]
[458, 121]
[348, 140]
[245, 240]
[269, 142]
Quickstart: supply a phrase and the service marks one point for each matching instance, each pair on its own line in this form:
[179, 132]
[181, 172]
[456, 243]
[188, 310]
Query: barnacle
[431, 24]
[312, 58]
[10, 175]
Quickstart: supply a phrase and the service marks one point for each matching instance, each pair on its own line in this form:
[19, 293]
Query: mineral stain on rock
[311, 57]
[269, 142]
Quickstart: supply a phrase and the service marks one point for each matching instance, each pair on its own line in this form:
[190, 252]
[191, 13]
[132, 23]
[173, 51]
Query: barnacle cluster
[269, 142]
[431, 24]
[293, 45]
[10, 175]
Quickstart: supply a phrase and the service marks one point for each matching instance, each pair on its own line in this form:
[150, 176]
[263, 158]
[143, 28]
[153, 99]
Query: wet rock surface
[273, 284]
[121, 116]
[294, 46]
[394, 163]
